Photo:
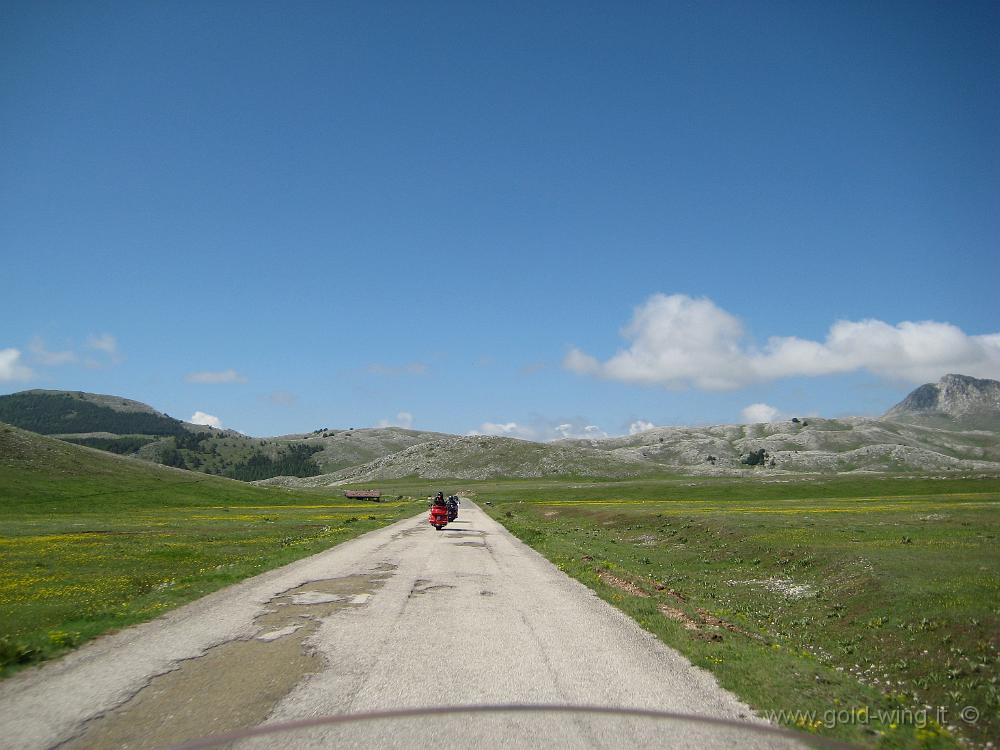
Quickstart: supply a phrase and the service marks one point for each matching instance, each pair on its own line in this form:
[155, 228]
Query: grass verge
[863, 609]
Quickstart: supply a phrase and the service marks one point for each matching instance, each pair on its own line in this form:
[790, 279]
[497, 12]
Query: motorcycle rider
[439, 512]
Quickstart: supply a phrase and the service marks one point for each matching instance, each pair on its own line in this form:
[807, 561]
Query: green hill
[131, 428]
[69, 412]
[91, 541]
[35, 469]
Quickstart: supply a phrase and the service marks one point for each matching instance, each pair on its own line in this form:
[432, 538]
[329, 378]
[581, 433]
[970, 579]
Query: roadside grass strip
[872, 618]
[72, 574]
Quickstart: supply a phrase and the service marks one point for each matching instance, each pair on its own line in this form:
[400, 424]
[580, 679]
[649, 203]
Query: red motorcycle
[439, 516]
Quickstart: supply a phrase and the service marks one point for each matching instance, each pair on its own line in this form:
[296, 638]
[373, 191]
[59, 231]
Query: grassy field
[862, 608]
[90, 542]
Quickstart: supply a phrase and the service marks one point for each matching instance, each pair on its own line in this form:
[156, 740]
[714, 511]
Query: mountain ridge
[820, 445]
[72, 412]
[952, 425]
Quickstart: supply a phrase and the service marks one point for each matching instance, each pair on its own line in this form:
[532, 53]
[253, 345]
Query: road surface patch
[186, 702]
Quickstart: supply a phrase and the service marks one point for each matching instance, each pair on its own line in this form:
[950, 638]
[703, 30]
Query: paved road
[402, 617]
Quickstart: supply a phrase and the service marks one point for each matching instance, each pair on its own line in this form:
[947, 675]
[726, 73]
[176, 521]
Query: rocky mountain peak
[955, 396]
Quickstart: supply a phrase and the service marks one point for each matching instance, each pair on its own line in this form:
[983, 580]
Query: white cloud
[756, 413]
[533, 368]
[107, 345]
[200, 417]
[404, 420]
[640, 425]
[98, 351]
[678, 341]
[581, 363]
[49, 359]
[568, 430]
[410, 368]
[214, 378]
[11, 367]
[543, 430]
[505, 429]
[104, 343]
[282, 398]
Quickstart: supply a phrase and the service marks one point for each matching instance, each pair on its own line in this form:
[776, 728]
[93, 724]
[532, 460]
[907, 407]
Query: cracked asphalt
[402, 617]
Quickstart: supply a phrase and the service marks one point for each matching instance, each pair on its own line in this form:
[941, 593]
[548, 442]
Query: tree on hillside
[295, 462]
[170, 456]
[756, 458]
[122, 445]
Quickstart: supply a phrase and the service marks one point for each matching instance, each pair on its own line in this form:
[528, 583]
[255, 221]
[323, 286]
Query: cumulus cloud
[678, 341]
[216, 377]
[200, 417]
[11, 366]
[640, 425]
[756, 413]
[410, 368]
[403, 419]
[48, 358]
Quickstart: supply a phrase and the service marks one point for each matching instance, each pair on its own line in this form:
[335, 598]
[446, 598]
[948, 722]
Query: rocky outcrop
[821, 446]
[958, 399]
[345, 448]
[482, 457]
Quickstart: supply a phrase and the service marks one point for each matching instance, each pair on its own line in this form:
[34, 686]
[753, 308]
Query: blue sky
[299, 215]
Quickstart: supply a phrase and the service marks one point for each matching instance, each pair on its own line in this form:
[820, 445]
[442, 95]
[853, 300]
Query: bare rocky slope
[952, 425]
[812, 445]
[481, 457]
[341, 449]
[938, 427]
[954, 401]
[853, 444]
